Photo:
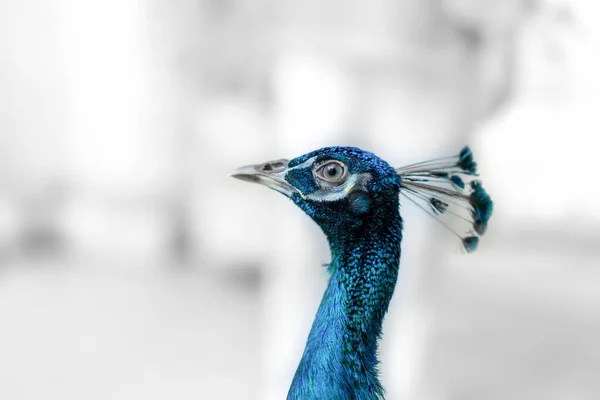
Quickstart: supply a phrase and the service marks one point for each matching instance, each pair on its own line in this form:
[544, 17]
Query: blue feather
[482, 203]
[466, 161]
[457, 181]
[480, 227]
[438, 205]
[470, 243]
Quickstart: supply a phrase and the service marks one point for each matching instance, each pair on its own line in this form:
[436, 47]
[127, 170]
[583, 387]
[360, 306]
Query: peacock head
[344, 188]
[338, 187]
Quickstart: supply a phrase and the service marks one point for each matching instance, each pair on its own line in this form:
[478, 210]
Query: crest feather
[447, 189]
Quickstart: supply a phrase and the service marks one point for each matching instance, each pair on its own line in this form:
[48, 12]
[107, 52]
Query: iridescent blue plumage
[353, 196]
[364, 230]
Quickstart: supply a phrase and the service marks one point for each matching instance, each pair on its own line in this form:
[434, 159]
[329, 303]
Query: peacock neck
[340, 358]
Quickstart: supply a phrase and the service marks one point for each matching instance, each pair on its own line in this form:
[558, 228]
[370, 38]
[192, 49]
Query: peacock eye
[332, 172]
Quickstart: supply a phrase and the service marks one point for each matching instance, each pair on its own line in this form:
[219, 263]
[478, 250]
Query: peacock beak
[271, 174]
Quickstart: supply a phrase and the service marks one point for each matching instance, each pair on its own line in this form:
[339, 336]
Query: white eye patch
[335, 193]
[327, 192]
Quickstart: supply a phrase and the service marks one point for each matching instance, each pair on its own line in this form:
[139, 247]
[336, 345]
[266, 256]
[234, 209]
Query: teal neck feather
[340, 358]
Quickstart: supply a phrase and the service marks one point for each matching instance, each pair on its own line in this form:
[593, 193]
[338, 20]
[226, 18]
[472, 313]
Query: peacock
[353, 195]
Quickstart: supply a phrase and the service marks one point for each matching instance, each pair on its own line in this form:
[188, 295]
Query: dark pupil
[332, 170]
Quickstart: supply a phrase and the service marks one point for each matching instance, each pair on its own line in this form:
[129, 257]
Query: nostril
[274, 166]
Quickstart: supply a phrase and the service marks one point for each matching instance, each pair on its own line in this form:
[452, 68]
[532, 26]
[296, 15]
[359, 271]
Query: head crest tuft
[445, 188]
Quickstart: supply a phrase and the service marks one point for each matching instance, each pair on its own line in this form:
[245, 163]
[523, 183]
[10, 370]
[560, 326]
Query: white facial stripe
[306, 164]
[335, 193]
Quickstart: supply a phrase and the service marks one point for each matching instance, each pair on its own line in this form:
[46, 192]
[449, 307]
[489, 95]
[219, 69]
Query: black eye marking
[359, 203]
[333, 172]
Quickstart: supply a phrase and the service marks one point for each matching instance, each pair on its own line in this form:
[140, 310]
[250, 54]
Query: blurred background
[132, 267]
